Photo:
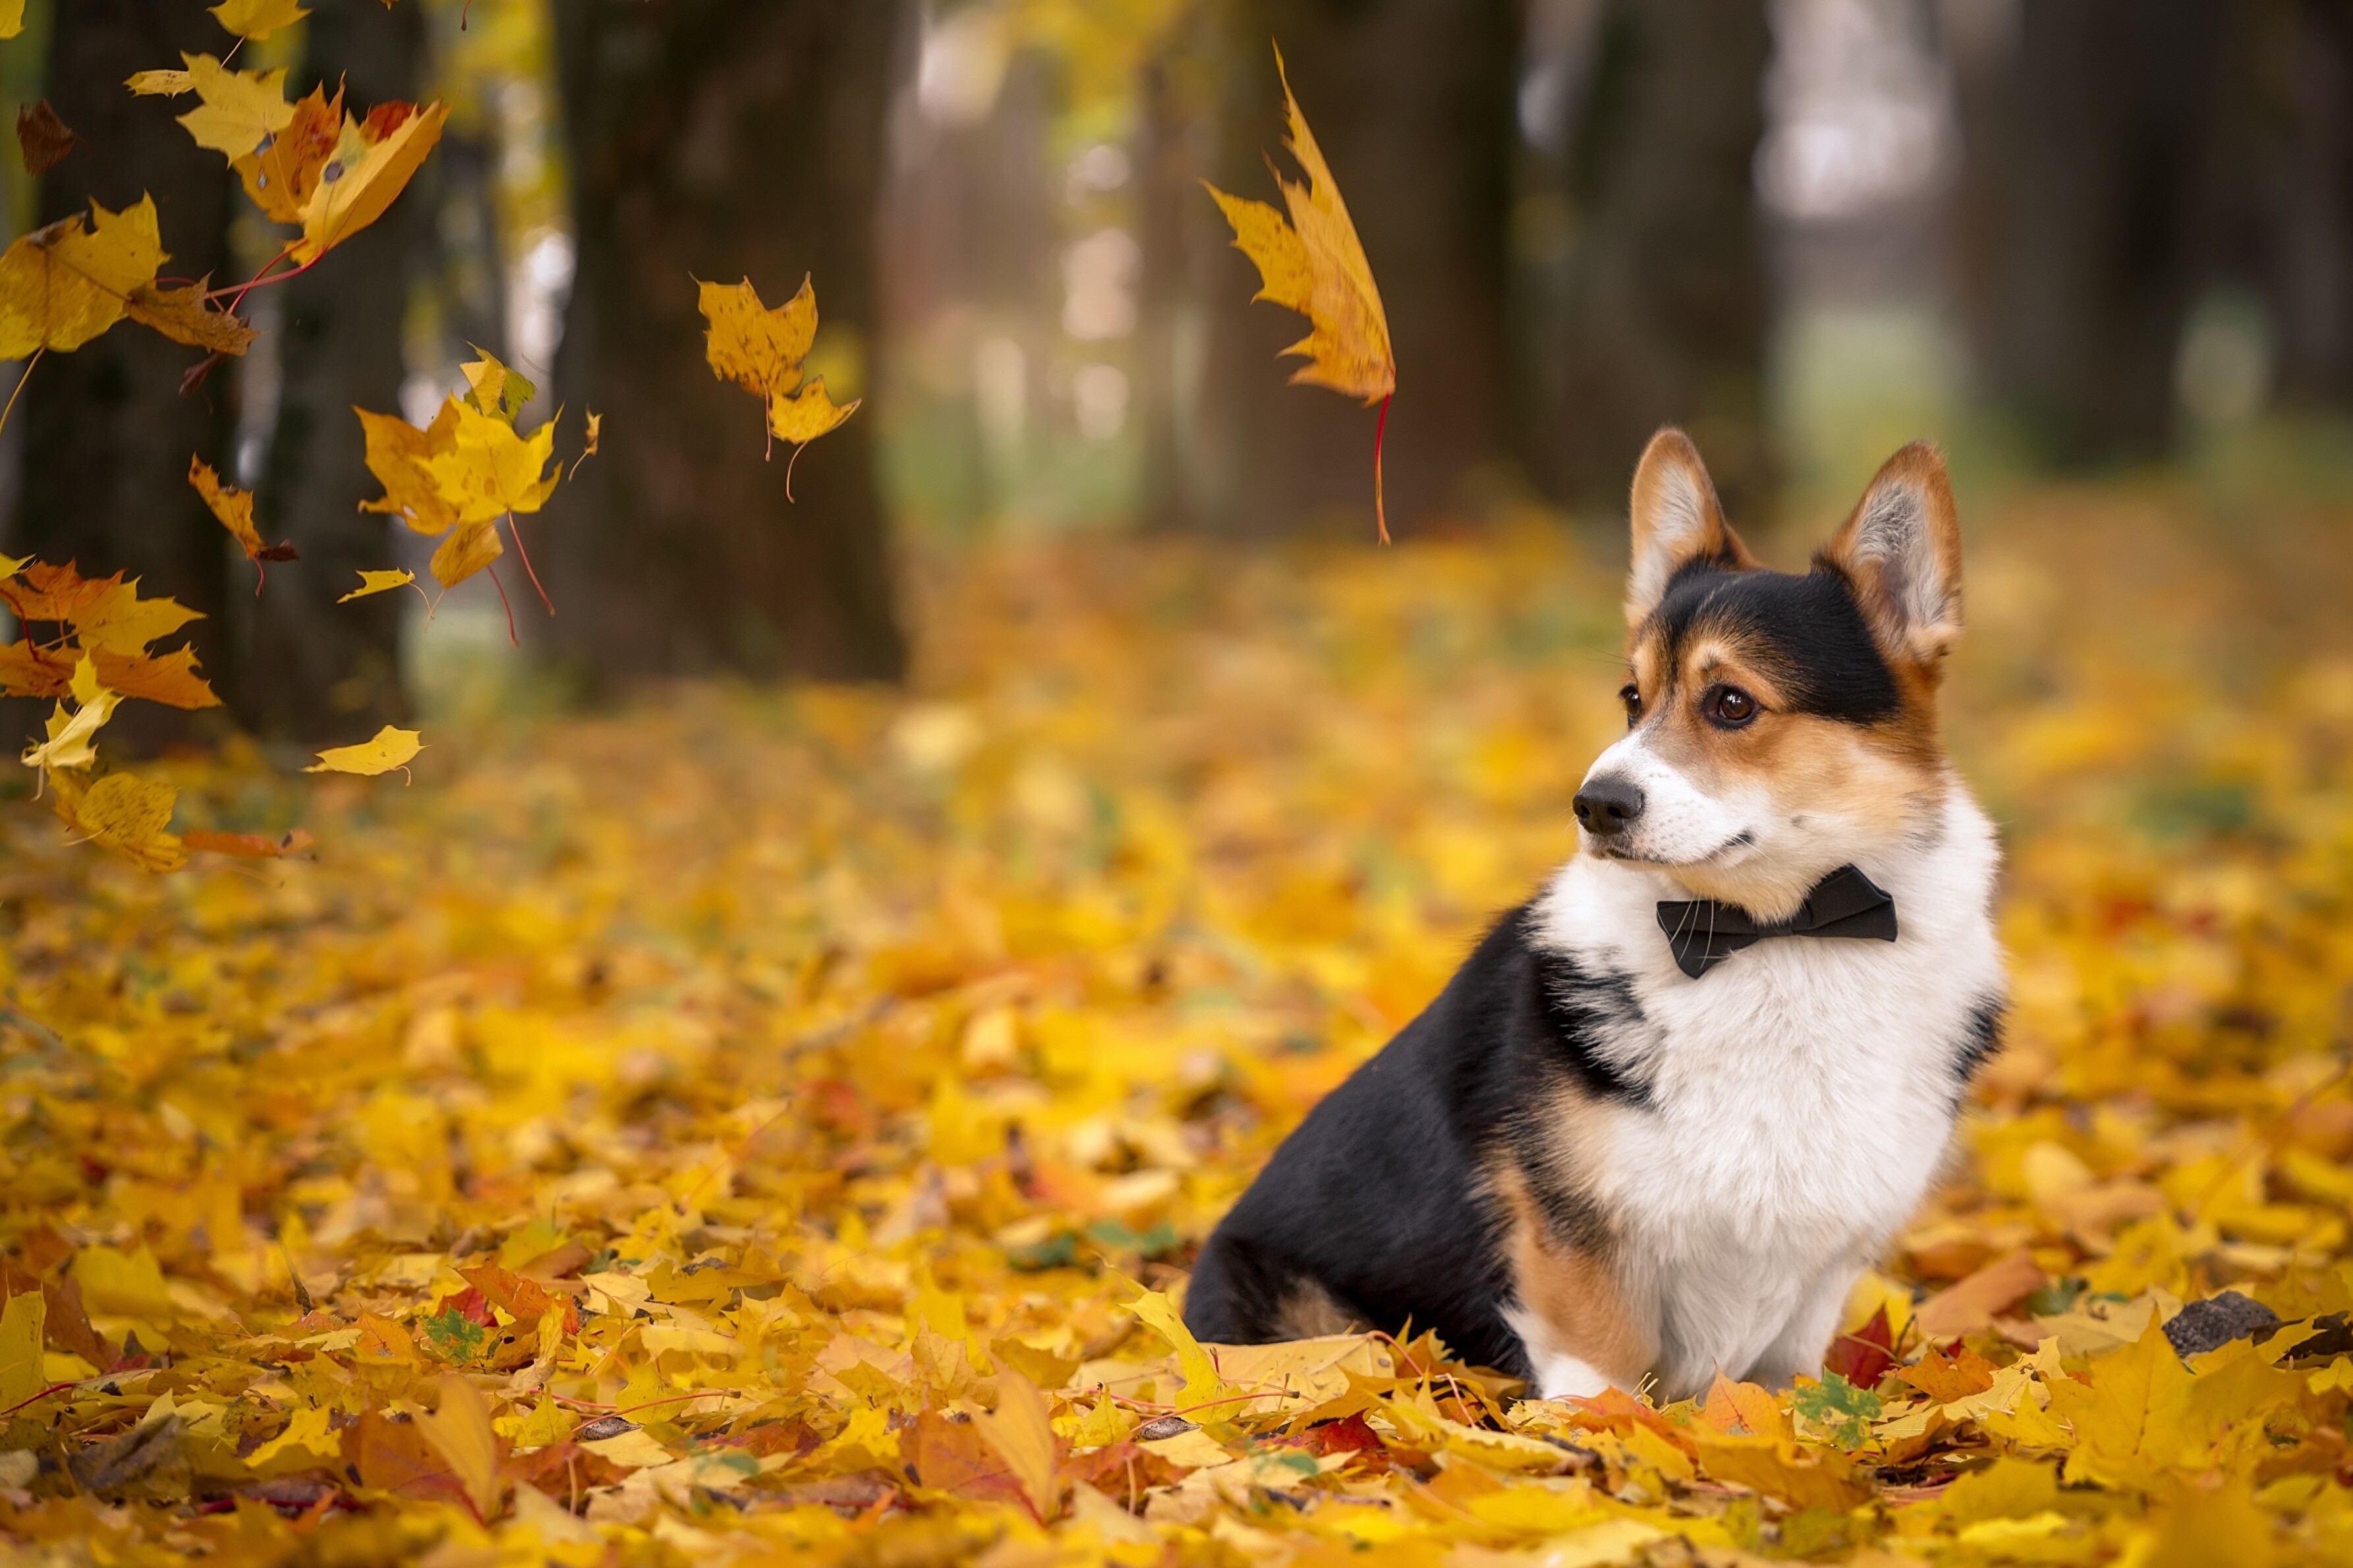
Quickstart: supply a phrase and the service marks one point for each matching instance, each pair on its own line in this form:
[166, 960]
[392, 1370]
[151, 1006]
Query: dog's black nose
[1608, 804]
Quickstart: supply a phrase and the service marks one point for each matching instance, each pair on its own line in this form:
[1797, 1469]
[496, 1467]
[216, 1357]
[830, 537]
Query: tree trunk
[1641, 258]
[2290, 137]
[314, 670]
[1410, 101]
[2086, 131]
[717, 141]
[108, 432]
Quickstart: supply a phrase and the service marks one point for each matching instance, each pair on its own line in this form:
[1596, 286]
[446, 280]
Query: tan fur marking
[1572, 1291]
[1878, 778]
[1309, 1312]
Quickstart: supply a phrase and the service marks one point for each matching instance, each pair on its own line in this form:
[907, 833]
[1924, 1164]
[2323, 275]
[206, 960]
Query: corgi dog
[1671, 1107]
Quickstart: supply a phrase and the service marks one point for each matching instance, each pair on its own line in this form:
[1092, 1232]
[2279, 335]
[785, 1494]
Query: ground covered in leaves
[758, 1122]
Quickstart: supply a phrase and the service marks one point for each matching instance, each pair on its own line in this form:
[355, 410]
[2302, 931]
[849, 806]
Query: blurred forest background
[2077, 234]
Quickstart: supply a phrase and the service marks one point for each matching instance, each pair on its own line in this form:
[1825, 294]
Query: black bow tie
[1704, 932]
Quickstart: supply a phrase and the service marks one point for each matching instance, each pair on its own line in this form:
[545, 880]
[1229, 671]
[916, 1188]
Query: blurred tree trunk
[108, 433]
[1643, 270]
[2290, 184]
[1410, 101]
[713, 140]
[314, 670]
[2085, 133]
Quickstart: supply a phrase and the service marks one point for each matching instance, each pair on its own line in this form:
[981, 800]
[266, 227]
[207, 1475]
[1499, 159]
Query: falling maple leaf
[187, 314]
[366, 177]
[72, 740]
[258, 18]
[1316, 265]
[234, 508]
[588, 444]
[401, 456]
[282, 173]
[247, 846]
[66, 284]
[390, 748]
[761, 351]
[43, 138]
[105, 620]
[494, 388]
[239, 109]
[380, 582]
[128, 814]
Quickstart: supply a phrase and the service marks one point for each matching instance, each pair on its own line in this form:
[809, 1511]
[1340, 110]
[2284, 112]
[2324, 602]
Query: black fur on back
[1380, 1197]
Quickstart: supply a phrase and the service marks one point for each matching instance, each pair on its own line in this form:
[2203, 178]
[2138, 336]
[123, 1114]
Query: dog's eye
[1728, 706]
[1631, 696]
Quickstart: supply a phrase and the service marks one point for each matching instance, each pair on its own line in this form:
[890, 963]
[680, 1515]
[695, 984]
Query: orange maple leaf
[234, 508]
[1316, 265]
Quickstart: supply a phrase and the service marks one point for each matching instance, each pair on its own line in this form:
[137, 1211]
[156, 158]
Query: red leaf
[1863, 1357]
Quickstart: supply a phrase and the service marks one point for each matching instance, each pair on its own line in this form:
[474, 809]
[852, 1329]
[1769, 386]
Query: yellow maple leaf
[761, 351]
[588, 446]
[159, 83]
[73, 736]
[1316, 265]
[1022, 1433]
[12, 17]
[470, 548]
[233, 509]
[758, 349]
[22, 1321]
[401, 456]
[256, 19]
[350, 197]
[117, 620]
[489, 470]
[130, 815]
[1202, 1384]
[461, 1433]
[282, 174]
[493, 388]
[66, 284]
[380, 582]
[240, 108]
[389, 749]
[807, 414]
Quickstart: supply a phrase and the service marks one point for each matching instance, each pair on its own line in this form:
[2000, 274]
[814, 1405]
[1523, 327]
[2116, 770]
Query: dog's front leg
[1805, 1335]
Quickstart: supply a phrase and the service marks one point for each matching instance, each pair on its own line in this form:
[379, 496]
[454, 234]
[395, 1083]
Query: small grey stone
[2214, 1322]
[604, 1427]
[1162, 1427]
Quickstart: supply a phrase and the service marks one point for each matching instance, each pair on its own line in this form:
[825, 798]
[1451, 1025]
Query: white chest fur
[1800, 1098]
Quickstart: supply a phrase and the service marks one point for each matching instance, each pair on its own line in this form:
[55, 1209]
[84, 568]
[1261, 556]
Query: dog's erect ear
[1902, 551]
[1676, 521]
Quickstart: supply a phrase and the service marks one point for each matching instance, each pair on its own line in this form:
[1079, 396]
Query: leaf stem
[20, 385]
[262, 279]
[515, 528]
[1380, 512]
[512, 639]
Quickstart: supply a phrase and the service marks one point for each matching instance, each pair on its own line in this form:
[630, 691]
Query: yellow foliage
[734, 1131]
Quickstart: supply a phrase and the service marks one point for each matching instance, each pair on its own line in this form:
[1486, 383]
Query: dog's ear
[1676, 520]
[1901, 549]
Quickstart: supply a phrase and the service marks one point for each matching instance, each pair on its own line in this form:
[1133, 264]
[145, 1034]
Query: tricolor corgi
[1671, 1107]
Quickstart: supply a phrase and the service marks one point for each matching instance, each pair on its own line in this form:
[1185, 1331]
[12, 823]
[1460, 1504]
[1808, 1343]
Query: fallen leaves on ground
[778, 1124]
[1316, 265]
